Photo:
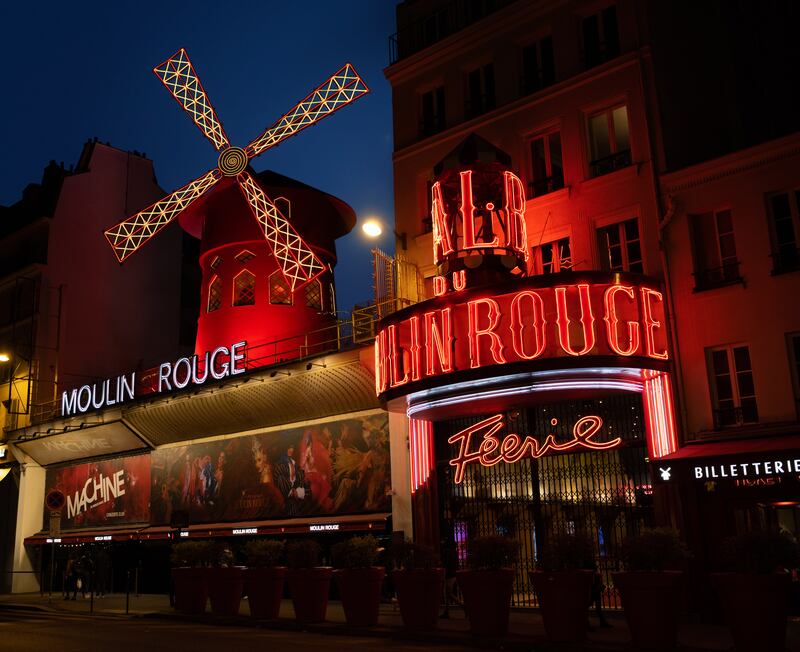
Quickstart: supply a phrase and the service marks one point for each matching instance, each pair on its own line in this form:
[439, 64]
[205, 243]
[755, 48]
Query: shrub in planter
[264, 578]
[225, 582]
[755, 595]
[308, 583]
[486, 584]
[190, 560]
[563, 586]
[418, 581]
[358, 579]
[651, 589]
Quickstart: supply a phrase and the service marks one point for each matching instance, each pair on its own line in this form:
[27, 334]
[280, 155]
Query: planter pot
[564, 599]
[264, 591]
[419, 593]
[652, 603]
[309, 590]
[487, 599]
[756, 608]
[360, 590]
[225, 587]
[191, 589]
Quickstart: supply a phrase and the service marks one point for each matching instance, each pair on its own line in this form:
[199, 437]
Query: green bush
[491, 553]
[263, 553]
[358, 552]
[655, 549]
[303, 554]
[413, 556]
[568, 552]
[196, 553]
[761, 552]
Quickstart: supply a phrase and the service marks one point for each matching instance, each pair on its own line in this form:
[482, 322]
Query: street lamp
[373, 228]
[4, 357]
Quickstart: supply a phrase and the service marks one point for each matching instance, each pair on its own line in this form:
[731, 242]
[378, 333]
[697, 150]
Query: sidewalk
[526, 630]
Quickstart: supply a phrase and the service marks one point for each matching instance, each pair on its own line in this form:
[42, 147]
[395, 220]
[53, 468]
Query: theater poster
[334, 467]
[108, 492]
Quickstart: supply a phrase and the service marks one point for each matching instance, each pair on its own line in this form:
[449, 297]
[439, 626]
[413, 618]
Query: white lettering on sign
[184, 533]
[104, 537]
[245, 530]
[746, 469]
[96, 491]
[325, 527]
[80, 446]
[104, 394]
[56, 540]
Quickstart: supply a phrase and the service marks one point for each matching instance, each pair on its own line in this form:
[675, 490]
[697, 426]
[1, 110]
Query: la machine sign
[222, 362]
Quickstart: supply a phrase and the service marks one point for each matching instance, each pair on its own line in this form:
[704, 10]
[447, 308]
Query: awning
[749, 446]
[96, 535]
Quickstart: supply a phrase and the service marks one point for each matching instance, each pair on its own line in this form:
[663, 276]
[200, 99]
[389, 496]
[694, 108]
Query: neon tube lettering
[467, 210]
[537, 323]
[381, 379]
[512, 448]
[612, 321]
[395, 354]
[415, 349]
[516, 237]
[650, 324]
[442, 238]
[439, 338]
[475, 333]
[587, 320]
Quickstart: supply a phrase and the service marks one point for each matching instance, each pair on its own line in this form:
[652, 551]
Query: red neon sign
[491, 450]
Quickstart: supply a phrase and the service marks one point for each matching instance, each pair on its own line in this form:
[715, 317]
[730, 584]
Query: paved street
[45, 632]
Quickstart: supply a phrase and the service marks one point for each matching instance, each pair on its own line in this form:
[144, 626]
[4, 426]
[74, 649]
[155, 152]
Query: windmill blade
[130, 234]
[336, 92]
[180, 78]
[297, 262]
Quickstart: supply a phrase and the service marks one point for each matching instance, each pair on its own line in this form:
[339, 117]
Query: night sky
[75, 70]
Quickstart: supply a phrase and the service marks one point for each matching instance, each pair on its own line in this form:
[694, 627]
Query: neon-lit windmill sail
[297, 261]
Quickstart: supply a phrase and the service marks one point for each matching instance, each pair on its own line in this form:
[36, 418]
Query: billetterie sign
[222, 362]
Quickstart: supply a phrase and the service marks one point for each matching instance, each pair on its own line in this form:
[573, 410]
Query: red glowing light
[475, 333]
[442, 240]
[650, 324]
[468, 215]
[438, 339]
[612, 321]
[515, 211]
[587, 320]
[537, 324]
[420, 440]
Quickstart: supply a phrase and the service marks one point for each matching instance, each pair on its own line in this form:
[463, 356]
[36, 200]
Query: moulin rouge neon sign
[492, 450]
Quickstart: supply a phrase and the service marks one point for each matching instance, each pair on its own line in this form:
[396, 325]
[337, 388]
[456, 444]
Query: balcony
[716, 277]
[545, 185]
[612, 163]
[735, 416]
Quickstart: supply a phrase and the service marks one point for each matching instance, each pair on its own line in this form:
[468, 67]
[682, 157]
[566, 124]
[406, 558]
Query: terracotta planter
[225, 586]
[191, 589]
[264, 591]
[360, 590]
[756, 608]
[564, 599]
[309, 590]
[487, 599]
[419, 593]
[652, 603]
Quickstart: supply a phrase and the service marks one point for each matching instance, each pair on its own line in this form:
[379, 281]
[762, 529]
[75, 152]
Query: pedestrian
[597, 599]
[70, 577]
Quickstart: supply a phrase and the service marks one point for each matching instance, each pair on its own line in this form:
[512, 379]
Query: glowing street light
[373, 228]
[4, 357]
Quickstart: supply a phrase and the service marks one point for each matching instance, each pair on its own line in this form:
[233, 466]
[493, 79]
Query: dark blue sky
[75, 70]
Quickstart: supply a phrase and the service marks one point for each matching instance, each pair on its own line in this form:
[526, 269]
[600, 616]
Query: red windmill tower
[251, 292]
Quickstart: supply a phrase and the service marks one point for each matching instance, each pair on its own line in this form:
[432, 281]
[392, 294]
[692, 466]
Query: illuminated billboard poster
[335, 467]
[108, 492]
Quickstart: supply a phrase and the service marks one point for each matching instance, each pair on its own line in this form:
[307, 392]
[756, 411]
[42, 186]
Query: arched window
[214, 294]
[279, 292]
[244, 289]
[314, 295]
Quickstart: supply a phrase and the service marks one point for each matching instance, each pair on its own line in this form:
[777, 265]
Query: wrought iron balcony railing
[708, 279]
[544, 186]
[735, 416]
[616, 161]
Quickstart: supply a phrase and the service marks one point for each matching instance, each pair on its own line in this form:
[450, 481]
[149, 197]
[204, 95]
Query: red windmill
[292, 257]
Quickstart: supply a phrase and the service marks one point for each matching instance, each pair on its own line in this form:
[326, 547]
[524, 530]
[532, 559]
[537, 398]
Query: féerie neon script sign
[513, 448]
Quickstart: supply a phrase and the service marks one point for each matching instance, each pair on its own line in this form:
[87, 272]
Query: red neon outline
[612, 321]
[496, 346]
[442, 238]
[442, 340]
[538, 323]
[381, 378]
[492, 450]
[563, 321]
[651, 324]
[395, 353]
[459, 280]
[517, 238]
[415, 349]
[439, 286]
[467, 210]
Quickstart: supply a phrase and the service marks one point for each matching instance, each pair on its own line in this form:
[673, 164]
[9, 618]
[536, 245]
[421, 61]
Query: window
[480, 91]
[732, 389]
[244, 255]
[600, 37]
[279, 292]
[784, 212]
[609, 141]
[552, 257]
[547, 169]
[714, 250]
[244, 289]
[214, 294]
[793, 341]
[432, 112]
[620, 249]
[314, 295]
[538, 67]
